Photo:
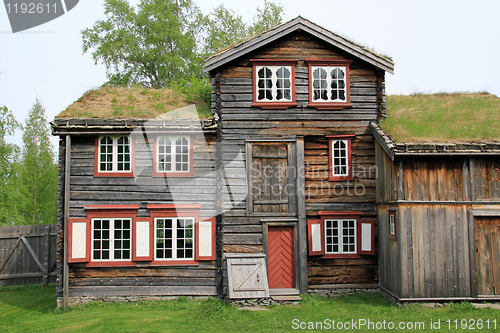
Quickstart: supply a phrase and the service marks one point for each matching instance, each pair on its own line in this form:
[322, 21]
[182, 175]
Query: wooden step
[284, 298]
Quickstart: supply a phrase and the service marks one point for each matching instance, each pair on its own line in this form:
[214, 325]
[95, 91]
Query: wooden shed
[439, 219]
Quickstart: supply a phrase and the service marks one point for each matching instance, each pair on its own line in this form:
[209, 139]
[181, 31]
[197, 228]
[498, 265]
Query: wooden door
[281, 257]
[271, 181]
[487, 236]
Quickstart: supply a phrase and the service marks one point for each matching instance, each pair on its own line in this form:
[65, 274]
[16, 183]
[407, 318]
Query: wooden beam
[67, 176]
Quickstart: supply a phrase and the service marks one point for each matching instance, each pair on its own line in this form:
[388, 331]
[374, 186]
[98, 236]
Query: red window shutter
[205, 240]
[142, 238]
[78, 240]
[366, 236]
[316, 237]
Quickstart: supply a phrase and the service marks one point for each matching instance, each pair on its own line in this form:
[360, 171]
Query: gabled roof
[298, 23]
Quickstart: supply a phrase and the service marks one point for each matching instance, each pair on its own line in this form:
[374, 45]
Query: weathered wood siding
[431, 256]
[232, 89]
[143, 189]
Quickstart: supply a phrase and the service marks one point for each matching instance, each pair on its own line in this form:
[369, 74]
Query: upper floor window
[274, 84]
[329, 84]
[340, 157]
[173, 156]
[114, 156]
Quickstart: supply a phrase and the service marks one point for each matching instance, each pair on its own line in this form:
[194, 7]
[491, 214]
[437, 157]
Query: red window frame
[111, 211]
[98, 173]
[157, 173]
[329, 105]
[332, 138]
[392, 213]
[277, 105]
[172, 210]
[352, 215]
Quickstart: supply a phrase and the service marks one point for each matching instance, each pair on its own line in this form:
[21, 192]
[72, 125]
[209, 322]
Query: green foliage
[38, 170]
[164, 42]
[10, 196]
[151, 47]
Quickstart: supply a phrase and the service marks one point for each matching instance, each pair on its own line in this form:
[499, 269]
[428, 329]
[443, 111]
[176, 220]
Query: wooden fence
[28, 255]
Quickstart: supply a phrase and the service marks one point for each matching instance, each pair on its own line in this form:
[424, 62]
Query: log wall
[85, 189]
[232, 89]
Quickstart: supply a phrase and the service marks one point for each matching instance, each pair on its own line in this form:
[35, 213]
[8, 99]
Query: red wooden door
[281, 257]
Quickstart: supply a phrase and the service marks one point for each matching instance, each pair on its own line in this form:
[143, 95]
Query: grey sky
[436, 46]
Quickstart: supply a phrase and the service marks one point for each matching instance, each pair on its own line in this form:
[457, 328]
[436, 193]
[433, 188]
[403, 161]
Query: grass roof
[133, 103]
[443, 117]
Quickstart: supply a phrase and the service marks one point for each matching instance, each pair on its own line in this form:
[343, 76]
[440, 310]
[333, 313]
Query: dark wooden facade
[305, 129]
[80, 189]
[446, 200]
[254, 149]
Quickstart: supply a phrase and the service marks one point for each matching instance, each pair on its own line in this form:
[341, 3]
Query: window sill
[340, 256]
[329, 106]
[340, 178]
[114, 174]
[172, 174]
[111, 264]
[274, 105]
[174, 263]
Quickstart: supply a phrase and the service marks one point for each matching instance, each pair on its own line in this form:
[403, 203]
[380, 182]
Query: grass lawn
[32, 308]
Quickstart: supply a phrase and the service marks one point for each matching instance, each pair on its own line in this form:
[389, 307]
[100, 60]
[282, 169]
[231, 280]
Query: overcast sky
[437, 46]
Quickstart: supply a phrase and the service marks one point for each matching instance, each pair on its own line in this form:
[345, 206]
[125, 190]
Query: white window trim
[174, 238]
[111, 239]
[347, 158]
[114, 161]
[328, 79]
[392, 225]
[173, 154]
[340, 236]
[274, 88]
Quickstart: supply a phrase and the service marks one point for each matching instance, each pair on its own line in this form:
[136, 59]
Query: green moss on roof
[443, 117]
[132, 103]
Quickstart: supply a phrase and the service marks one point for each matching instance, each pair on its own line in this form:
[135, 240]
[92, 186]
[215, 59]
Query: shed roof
[298, 23]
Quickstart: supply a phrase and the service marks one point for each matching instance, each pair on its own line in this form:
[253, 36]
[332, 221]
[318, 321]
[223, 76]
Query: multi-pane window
[111, 239]
[114, 154]
[174, 238]
[173, 154]
[274, 83]
[340, 158]
[340, 236]
[329, 84]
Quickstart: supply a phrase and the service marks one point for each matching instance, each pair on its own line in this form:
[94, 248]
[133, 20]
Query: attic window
[173, 156]
[329, 84]
[274, 84]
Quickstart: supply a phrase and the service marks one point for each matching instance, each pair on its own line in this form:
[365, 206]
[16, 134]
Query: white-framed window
[174, 238]
[329, 84]
[340, 158]
[173, 154]
[274, 83]
[111, 239]
[392, 224]
[340, 236]
[115, 154]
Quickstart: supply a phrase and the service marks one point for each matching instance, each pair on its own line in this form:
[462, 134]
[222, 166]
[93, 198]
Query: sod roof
[133, 103]
[443, 118]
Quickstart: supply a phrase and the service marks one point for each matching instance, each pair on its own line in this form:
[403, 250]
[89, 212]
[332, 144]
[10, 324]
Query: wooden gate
[28, 255]
[281, 257]
[487, 237]
[271, 179]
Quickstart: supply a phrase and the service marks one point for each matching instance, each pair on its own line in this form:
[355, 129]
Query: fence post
[46, 255]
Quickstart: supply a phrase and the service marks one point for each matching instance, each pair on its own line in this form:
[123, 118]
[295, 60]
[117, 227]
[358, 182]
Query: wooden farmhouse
[291, 186]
